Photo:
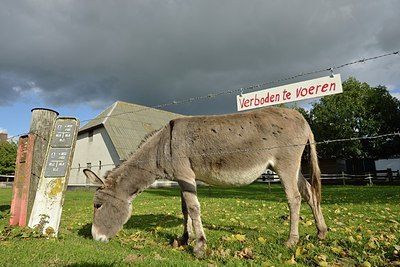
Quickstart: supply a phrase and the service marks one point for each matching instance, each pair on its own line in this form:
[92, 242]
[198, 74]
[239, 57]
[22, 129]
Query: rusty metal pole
[41, 126]
[23, 164]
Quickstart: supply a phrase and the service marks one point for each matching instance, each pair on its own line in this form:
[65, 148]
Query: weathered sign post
[47, 207]
[27, 171]
[292, 92]
[41, 125]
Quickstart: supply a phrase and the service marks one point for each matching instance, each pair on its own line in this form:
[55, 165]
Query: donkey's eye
[97, 206]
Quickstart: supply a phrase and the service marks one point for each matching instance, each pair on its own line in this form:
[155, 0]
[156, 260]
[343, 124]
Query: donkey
[223, 150]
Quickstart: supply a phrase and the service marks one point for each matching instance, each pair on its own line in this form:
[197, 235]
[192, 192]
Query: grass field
[244, 226]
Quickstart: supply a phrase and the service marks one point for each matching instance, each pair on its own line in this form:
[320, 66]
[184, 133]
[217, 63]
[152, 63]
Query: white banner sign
[292, 92]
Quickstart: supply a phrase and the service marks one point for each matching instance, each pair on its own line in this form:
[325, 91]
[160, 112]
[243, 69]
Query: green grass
[244, 226]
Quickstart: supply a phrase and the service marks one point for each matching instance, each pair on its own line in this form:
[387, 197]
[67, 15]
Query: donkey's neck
[139, 171]
[133, 177]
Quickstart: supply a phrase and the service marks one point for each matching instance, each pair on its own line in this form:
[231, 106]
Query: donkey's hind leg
[307, 194]
[188, 226]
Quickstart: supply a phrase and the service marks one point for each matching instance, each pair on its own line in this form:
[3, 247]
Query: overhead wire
[238, 90]
[248, 88]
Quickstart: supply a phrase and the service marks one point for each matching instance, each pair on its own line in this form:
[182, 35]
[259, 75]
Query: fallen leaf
[365, 264]
[310, 246]
[300, 250]
[321, 260]
[245, 253]
[267, 263]
[131, 258]
[158, 257]
[240, 237]
[262, 240]
[291, 261]
[351, 239]
[308, 223]
[339, 250]
[221, 252]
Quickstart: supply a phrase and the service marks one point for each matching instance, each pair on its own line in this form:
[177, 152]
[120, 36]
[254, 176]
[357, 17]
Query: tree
[360, 111]
[8, 154]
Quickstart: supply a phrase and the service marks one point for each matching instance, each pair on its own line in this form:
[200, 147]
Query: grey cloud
[152, 52]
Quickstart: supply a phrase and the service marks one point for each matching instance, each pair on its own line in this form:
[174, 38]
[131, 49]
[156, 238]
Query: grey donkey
[223, 150]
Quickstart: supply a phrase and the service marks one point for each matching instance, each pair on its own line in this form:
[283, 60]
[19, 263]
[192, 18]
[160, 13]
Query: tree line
[8, 155]
[361, 111]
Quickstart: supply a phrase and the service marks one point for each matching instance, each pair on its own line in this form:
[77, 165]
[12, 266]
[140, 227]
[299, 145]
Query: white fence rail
[380, 176]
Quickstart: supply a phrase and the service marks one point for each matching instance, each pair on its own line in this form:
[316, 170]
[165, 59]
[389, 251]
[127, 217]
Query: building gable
[127, 124]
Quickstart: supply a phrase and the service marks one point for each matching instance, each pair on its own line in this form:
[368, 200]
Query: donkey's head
[111, 211]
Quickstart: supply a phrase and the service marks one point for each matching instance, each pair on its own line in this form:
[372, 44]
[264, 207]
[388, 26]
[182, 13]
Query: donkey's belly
[230, 178]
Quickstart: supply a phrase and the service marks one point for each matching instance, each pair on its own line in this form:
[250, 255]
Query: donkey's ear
[93, 177]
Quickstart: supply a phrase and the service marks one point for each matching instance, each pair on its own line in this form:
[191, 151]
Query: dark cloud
[153, 52]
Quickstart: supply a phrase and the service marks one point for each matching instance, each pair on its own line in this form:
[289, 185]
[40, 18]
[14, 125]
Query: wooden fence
[6, 180]
[377, 177]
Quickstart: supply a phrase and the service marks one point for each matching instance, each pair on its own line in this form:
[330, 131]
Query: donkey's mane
[112, 180]
[146, 138]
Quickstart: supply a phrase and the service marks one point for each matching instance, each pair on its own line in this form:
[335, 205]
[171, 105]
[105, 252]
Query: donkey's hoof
[175, 243]
[322, 235]
[200, 254]
[199, 251]
[291, 243]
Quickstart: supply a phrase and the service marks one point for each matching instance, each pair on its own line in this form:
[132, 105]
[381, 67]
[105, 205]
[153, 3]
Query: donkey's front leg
[294, 201]
[193, 207]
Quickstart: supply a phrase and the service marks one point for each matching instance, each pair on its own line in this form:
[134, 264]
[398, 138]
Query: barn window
[90, 136]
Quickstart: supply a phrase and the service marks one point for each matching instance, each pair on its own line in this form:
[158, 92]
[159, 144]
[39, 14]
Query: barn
[109, 139]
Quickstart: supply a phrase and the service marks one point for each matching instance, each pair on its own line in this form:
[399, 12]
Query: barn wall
[384, 164]
[96, 153]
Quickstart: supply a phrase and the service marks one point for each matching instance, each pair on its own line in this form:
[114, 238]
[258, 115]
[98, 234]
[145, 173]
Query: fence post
[41, 126]
[390, 175]
[344, 181]
[370, 179]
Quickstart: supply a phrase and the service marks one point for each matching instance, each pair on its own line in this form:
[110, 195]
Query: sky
[78, 57]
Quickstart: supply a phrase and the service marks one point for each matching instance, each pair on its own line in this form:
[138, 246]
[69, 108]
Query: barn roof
[127, 124]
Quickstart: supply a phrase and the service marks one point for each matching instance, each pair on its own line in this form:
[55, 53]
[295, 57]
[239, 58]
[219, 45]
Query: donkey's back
[235, 149]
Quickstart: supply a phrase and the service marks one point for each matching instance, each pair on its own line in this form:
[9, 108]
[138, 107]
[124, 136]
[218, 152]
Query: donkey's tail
[315, 172]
